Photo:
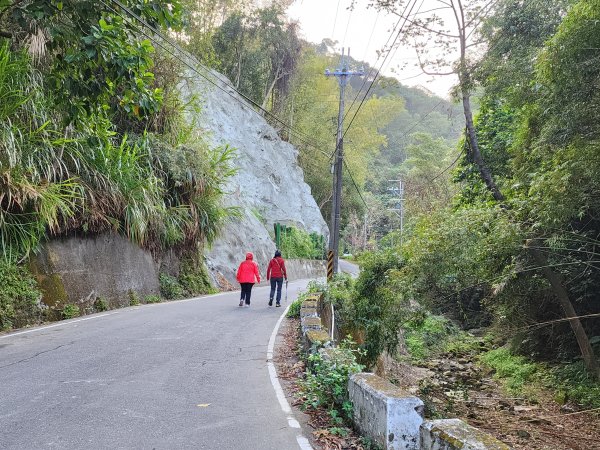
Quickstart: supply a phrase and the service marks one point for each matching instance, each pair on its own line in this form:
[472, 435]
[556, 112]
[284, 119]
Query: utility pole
[343, 74]
[398, 193]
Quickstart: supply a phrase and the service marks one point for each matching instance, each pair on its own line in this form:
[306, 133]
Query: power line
[335, 20]
[375, 78]
[387, 53]
[300, 136]
[354, 183]
[447, 168]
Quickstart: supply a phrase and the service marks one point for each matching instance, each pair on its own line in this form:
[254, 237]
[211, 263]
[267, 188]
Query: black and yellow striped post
[329, 265]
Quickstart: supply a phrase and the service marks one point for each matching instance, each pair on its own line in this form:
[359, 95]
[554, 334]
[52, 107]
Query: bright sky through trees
[365, 31]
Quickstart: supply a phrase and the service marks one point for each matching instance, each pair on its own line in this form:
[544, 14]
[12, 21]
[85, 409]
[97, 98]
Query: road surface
[348, 267]
[178, 375]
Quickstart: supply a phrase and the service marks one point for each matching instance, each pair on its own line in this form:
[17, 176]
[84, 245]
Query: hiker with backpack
[247, 275]
[276, 273]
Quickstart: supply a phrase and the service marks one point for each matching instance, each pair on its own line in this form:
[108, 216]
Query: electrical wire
[335, 20]
[382, 64]
[355, 185]
[300, 136]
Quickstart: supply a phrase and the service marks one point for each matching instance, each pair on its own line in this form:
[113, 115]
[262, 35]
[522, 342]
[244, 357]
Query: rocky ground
[453, 386]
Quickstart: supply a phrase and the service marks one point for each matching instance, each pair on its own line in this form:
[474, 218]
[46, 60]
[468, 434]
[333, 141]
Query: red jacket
[248, 270]
[276, 268]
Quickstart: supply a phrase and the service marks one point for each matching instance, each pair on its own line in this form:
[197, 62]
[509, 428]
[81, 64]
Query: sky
[364, 31]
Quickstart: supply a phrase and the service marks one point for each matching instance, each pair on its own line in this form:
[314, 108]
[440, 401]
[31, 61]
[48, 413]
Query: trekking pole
[286, 283]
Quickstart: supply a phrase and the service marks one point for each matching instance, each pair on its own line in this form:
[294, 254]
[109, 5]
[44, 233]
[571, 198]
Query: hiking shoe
[277, 305]
[241, 303]
[271, 302]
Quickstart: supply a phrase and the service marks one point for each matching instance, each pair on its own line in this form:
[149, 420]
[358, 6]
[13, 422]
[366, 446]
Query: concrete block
[314, 340]
[315, 297]
[385, 413]
[454, 434]
[309, 304]
[308, 312]
[310, 323]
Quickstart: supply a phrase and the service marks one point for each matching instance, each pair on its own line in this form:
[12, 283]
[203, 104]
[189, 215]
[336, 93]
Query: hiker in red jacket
[276, 273]
[247, 275]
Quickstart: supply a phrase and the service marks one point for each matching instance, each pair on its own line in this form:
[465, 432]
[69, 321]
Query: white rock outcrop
[269, 186]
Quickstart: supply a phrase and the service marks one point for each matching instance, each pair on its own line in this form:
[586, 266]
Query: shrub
[294, 311]
[134, 298]
[19, 296]
[69, 311]
[576, 384]
[152, 299]
[296, 243]
[326, 384]
[170, 287]
[193, 277]
[425, 334]
[101, 305]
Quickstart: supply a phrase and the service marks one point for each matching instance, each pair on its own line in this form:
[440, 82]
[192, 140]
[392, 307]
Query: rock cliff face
[269, 186]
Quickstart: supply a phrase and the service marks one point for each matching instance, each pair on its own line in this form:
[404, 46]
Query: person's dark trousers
[275, 282]
[246, 292]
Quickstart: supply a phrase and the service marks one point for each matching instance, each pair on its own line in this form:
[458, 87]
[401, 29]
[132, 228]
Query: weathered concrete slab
[314, 340]
[310, 323]
[309, 303]
[454, 434]
[385, 413]
[308, 312]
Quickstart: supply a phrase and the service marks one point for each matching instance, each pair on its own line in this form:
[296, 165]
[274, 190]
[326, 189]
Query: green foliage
[454, 258]
[326, 384]
[19, 296]
[170, 288]
[574, 383]
[193, 276]
[376, 307]
[425, 334]
[134, 298]
[94, 54]
[69, 311]
[296, 243]
[569, 382]
[514, 371]
[161, 191]
[294, 310]
[100, 304]
[149, 299]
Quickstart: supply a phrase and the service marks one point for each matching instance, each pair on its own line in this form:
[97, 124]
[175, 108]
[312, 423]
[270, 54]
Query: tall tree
[445, 39]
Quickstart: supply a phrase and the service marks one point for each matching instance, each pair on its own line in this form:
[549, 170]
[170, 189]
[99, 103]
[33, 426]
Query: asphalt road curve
[190, 374]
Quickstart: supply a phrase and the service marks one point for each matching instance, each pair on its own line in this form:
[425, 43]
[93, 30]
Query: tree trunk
[269, 90]
[474, 146]
[555, 279]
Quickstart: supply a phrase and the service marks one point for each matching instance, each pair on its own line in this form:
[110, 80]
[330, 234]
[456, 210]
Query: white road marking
[285, 406]
[60, 324]
[303, 443]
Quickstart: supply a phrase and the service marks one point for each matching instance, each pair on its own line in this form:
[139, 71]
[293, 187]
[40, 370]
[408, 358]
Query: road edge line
[283, 403]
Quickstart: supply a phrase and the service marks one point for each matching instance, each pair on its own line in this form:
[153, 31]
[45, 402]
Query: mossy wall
[80, 270]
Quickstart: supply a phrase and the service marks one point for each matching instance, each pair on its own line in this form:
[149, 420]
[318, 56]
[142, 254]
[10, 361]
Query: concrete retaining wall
[79, 270]
[394, 420]
[454, 434]
[385, 413]
[315, 334]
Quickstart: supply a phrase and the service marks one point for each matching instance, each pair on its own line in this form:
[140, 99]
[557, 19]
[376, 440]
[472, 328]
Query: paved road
[178, 375]
[348, 267]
